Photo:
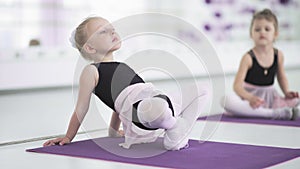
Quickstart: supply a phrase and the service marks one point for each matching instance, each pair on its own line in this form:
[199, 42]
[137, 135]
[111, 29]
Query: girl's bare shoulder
[246, 60]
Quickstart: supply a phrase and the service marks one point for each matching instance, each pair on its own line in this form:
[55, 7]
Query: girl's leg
[238, 107]
[193, 102]
[155, 113]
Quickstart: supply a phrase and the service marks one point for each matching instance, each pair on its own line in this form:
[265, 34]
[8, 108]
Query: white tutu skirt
[123, 106]
[188, 106]
[271, 97]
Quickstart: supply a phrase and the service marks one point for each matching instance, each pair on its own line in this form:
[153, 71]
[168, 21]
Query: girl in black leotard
[256, 95]
[144, 111]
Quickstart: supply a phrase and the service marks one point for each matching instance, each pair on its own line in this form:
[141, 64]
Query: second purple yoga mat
[199, 155]
[224, 118]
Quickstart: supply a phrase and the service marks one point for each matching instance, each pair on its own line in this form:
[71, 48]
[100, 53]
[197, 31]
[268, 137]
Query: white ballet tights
[193, 103]
[155, 113]
[236, 106]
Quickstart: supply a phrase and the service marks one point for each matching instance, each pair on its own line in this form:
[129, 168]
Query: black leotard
[258, 75]
[113, 78]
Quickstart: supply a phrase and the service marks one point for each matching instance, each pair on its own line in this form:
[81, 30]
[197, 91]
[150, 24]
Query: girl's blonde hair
[81, 36]
[265, 14]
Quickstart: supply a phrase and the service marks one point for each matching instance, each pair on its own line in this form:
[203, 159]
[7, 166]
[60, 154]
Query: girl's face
[263, 32]
[102, 37]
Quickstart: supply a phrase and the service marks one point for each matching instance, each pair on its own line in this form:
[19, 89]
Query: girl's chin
[116, 47]
[262, 43]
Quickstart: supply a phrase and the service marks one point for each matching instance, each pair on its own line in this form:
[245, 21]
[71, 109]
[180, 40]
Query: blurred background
[35, 50]
[37, 62]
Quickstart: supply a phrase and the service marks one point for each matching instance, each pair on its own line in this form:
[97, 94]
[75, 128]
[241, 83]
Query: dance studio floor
[30, 117]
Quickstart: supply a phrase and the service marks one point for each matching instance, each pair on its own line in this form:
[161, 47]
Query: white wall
[55, 62]
[57, 67]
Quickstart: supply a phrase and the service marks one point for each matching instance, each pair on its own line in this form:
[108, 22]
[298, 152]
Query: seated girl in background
[256, 95]
[140, 107]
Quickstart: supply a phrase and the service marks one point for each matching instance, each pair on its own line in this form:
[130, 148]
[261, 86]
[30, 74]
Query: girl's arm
[114, 126]
[245, 64]
[87, 83]
[238, 87]
[282, 79]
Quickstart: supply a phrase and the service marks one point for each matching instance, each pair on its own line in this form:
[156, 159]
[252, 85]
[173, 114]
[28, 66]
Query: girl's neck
[107, 58]
[263, 48]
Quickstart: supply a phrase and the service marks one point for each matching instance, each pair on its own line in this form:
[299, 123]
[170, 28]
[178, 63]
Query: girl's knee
[155, 113]
[151, 109]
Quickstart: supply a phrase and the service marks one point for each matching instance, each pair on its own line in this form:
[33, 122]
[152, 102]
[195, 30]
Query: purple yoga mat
[225, 118]
[199, 155]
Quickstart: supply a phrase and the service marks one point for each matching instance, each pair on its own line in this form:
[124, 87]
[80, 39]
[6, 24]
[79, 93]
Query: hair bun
[72, 39]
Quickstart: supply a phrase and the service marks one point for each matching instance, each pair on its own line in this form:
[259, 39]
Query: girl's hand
[255, 102]
[291, 95]
[121, 133]
[61, 141]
